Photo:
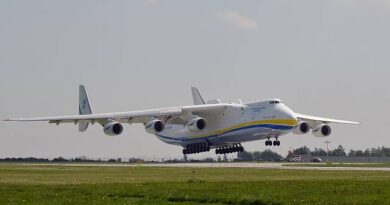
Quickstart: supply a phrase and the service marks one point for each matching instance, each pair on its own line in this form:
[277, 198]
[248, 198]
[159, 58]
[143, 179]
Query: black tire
[241, 149]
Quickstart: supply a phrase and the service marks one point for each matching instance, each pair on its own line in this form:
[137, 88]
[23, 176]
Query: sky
[324, 58]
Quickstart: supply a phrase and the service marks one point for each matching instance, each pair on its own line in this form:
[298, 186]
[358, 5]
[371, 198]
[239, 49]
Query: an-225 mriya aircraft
[205, 125]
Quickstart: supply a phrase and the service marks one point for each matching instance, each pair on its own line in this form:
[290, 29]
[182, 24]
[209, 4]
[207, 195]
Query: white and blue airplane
[204, 125]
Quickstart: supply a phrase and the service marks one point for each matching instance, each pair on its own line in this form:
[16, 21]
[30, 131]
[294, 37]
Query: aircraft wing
[318, 120]
[141, 116]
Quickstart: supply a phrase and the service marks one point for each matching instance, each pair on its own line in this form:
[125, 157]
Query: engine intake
[113, 128]
[322, 130]
[302, 128]
[155, 126]
[197, 124]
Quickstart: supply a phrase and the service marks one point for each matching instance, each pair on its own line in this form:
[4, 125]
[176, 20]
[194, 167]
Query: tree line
[340, 151]
[266, 155]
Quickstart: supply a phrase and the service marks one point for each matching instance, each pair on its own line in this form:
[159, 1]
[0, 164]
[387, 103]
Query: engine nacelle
[302, 128]
[113, 128]
[322, 130]
[197, 124]
[155, 126]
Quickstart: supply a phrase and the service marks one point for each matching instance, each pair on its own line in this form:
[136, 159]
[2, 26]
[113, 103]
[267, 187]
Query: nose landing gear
[270, 143]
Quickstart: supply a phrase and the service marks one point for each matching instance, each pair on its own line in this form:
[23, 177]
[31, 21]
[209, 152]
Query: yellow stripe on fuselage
[284, 122]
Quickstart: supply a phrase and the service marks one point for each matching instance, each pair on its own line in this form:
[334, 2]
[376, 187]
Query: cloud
[237, 19]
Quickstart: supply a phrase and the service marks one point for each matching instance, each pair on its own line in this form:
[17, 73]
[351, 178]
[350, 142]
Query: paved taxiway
[224, 165]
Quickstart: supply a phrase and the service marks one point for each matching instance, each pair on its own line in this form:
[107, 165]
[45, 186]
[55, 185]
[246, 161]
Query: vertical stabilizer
[84, 107]
[198, 100]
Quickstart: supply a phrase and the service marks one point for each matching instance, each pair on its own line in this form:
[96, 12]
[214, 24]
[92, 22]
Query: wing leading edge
[315, 119]
[141, 116]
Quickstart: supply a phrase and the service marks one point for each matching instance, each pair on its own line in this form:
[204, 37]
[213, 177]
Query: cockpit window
[274, 102]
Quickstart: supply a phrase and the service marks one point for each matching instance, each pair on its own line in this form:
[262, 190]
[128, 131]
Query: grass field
[338, 165]
[46, 184]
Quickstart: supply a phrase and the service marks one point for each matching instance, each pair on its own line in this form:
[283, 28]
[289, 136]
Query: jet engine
[154, 126]
[197, 124]
[113, 128]
[322, 130]
[302, 128]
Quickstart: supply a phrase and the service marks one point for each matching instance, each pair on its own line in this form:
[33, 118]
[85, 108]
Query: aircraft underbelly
[237, 136]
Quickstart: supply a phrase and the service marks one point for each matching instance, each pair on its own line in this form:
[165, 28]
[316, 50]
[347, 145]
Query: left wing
[141, 116]
[313, 120]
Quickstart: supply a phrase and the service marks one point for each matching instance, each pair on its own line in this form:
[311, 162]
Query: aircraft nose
[290, 114]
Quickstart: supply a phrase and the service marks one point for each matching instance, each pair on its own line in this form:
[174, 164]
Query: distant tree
[367, 153]
[242, 156]
[318, 152]
[208, 159]
[302, 151]
[257, 156]
[377, 152]
[111, 160]
[60, 159]
[340, 152]
[385, 151]
[268, 155]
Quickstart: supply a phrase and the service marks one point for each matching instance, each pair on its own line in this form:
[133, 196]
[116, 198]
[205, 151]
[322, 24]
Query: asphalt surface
[266, 166]
[221, 165]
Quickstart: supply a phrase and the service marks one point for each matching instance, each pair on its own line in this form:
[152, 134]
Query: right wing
[313, 120]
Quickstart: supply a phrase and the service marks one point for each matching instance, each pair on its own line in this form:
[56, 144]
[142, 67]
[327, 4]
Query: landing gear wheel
[268, 143]
[276, 143]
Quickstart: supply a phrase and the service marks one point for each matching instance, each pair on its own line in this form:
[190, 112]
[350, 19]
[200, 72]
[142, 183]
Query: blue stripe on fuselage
[275, 127]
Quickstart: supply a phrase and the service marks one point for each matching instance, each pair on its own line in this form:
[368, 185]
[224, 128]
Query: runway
[281, 166]
[266, 166]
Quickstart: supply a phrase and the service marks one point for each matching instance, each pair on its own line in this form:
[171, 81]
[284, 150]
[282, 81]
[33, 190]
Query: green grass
[384, 165]
[45, 184]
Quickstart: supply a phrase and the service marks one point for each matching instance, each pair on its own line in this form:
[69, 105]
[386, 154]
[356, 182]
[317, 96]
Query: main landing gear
[270, 143]
[196, 148]
[229, 149]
